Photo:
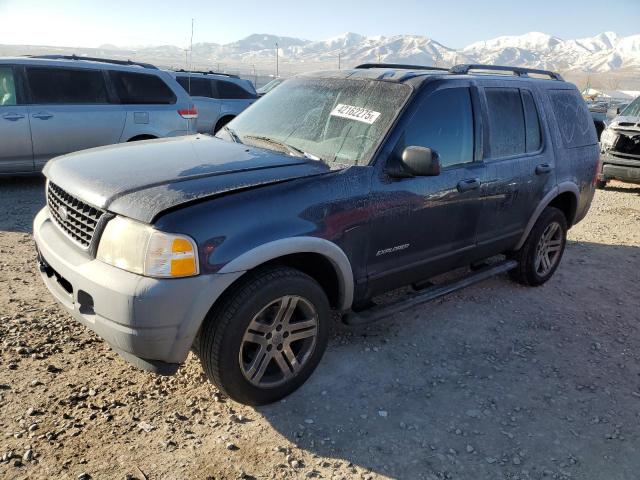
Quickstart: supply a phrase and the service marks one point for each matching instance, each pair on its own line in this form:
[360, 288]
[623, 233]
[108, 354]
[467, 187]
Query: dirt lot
[497, 381]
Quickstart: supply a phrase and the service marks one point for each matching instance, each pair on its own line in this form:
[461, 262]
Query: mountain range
[605, 52]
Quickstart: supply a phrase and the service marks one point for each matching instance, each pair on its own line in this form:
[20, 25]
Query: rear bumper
[626, 170]
[151, 322]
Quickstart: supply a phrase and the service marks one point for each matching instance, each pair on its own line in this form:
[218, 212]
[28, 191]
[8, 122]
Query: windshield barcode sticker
[355, 113]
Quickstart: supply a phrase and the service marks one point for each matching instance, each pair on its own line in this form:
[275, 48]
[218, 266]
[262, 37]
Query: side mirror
[421, 161]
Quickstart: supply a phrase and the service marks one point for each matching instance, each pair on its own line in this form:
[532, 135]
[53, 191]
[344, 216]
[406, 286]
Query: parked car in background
[269, 86]
[620, 147]
[219, 97]
[335, 188]
[52, 105]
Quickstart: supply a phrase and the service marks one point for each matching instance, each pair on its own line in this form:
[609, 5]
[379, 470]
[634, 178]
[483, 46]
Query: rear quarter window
[574, 121]
[231, 91]
[141, 88]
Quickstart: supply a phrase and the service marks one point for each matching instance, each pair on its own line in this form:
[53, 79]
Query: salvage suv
[333, 189]
[620, 147]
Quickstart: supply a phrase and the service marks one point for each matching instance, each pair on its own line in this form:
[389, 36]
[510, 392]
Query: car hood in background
[140, 180]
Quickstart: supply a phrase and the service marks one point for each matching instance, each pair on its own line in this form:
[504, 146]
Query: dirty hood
[140, 180]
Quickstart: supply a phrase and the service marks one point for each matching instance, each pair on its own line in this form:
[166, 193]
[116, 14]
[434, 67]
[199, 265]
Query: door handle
[543, 168]
[42, 115]
[12, 117]
[468, 184]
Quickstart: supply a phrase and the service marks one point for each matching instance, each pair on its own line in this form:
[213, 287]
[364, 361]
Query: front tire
[540, 255]
[265, 339]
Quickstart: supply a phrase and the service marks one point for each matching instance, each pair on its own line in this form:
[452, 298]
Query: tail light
[188, 113]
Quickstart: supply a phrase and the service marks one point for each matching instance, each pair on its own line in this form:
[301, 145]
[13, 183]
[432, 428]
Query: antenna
[277, 62]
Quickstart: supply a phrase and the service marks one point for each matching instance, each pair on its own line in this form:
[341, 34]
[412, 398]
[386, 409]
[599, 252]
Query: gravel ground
[498, 381]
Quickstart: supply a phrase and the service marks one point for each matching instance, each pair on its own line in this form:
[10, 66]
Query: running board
[382, 311]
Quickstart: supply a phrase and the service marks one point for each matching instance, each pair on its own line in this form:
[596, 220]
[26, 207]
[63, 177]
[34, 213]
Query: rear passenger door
[200, 89]
[16, 154]
[519, 164]
[70, 110]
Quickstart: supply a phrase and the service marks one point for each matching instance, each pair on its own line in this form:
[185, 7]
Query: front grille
[75, 218]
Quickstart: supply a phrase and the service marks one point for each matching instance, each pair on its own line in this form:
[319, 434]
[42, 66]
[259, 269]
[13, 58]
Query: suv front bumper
[624, 169]
[151, 322]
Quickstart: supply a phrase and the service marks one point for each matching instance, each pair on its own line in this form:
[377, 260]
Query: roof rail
[210, 72]
[519, 71]
[94, 59]
[399, 65]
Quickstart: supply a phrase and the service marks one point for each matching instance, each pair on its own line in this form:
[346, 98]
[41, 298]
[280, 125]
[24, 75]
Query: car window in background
[141, 88]
[50, 85]
[633, 109]
[444, 123]
[7, 87]
[532, 122]
[339, 120]
[507, 134]
[196, 87]
[231, 91]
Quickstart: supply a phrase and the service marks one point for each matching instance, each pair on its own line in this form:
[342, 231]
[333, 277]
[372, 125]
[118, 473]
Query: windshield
[633, 109]
[335, 120]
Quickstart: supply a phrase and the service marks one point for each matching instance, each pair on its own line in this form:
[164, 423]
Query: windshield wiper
[234, 136]
[279, 143]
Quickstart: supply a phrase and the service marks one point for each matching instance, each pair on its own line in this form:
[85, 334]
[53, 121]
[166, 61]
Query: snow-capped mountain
[602, 53]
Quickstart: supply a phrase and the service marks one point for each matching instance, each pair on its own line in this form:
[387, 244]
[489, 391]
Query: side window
[573, 118]
[196, 87]
[231, 91]
[506, 122]
[7, 87]
[444, 123]
[51, 85]
[532, 122]
[141, 88]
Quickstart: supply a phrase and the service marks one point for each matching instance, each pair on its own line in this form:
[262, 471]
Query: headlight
[139, 248]
[607, 137]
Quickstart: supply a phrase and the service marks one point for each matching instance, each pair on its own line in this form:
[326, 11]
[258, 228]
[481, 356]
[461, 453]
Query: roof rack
[399, 65]
[210, 72]
[94, 59]
[519, 71]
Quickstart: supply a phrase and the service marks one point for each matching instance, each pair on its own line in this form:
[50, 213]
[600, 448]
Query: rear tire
[541, 253]
[247, 346]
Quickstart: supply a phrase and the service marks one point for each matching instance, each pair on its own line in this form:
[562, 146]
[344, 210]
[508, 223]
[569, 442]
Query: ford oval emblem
[64, 214]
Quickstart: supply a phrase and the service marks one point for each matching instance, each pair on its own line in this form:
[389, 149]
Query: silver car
[219, 97]
[53, 105]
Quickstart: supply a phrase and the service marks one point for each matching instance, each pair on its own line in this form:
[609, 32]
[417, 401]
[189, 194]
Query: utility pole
[339, 54]
[277, 65]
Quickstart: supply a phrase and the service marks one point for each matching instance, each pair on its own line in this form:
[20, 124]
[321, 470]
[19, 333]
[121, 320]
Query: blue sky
[455, 23]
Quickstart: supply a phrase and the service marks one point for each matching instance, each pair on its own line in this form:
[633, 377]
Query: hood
[140, 180]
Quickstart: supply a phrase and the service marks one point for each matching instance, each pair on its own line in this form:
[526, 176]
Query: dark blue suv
[333, 189]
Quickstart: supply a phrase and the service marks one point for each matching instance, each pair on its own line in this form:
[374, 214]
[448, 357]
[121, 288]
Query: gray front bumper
[624, 169]
[150, 322]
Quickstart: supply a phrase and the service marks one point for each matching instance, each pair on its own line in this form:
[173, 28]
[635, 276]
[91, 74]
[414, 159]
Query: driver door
[427, 225]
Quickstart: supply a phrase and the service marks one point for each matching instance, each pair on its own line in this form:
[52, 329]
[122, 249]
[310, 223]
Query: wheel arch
[144, 136]
[222, 121]
[564, 197]
[321, 259]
